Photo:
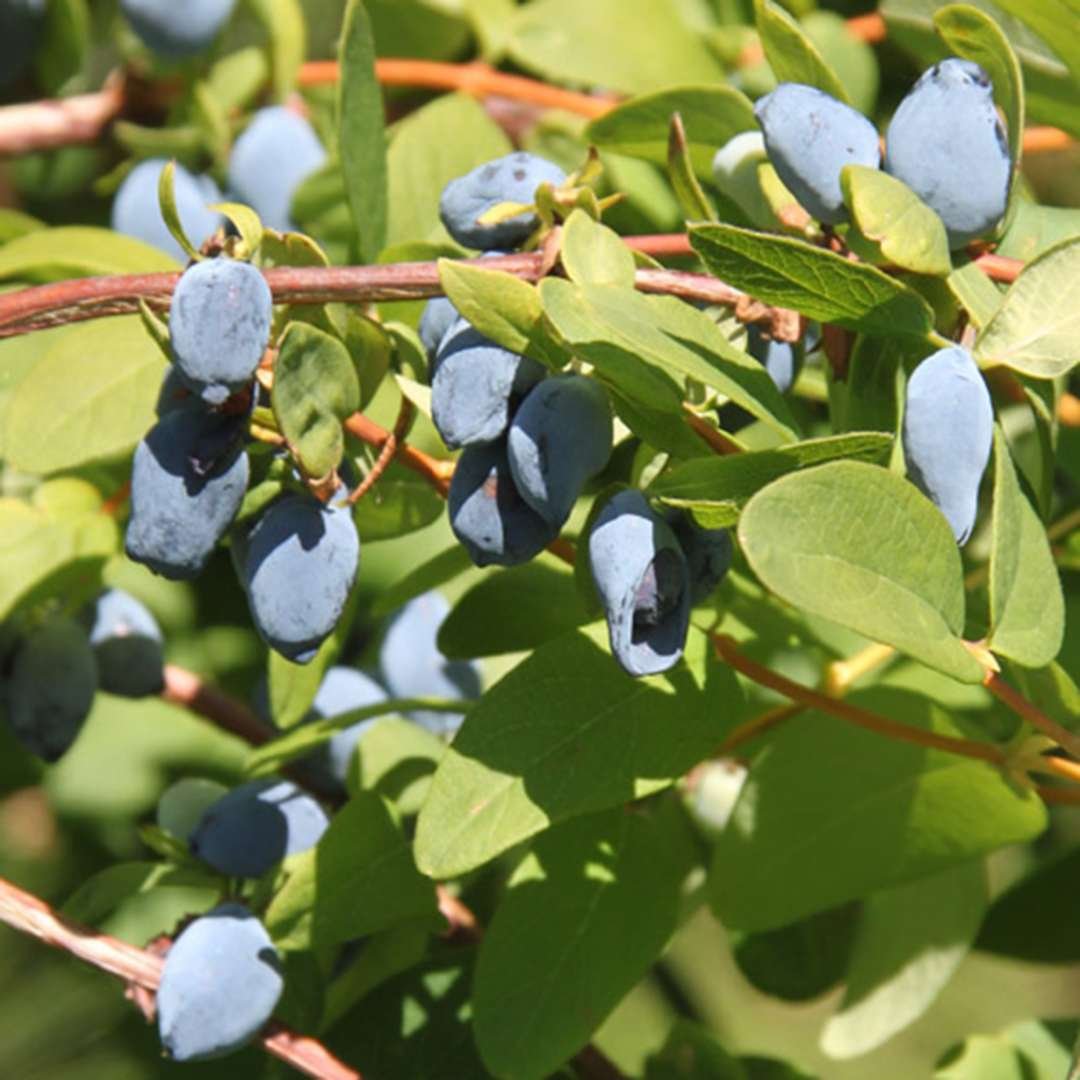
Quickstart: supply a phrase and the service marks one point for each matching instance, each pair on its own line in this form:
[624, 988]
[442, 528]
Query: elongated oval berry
[299, 564]
[810, 137]
[255, 826]
[219, 324]
[176, 30]
[488, 514]
[270, 159]
[510, 179]
[948, 431]
[412, 664]
[220, 984]
[51, 686]
[126, 640]
[136, 210]
[560, 436]
[643, 583]
[476, 386]
[187, 482]
[947, 143]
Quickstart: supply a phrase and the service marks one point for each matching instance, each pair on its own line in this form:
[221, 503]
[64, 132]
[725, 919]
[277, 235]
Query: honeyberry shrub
[720, 682]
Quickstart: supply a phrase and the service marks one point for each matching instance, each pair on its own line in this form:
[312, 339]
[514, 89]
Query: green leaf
[169, 213]
[284, 23]
[106, 890]
[1027, 609]
[89, 397]
[591, 738]
[910, 940]
[504, 308]
[302, 739]
[362, 138]
[593, 254]
[820, 284]
[601, 43]
[693, 200]
[78, 251]
[39, 547]
[639, 342]
[891, 215]
[401, 502]
[975, 292]
[585, 914]
[1055, 21]
[868, 398]
[868, 550]
[315, 388]
[14, 223]
[974, 35]
[1034, 228]
[66, 40]
[422, 160]
[640, 127]
[360, 878]
[715, 489]
[1029, 335]
[396, 758]
[791, 54]
[512, 610]
[246, 221]
[831, 812]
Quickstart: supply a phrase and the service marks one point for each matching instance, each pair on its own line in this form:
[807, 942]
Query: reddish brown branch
[30, 915]
[434, 470]
[388, 452]
[42, 306]
[1031, 713]
[729, 652]
[186, 689]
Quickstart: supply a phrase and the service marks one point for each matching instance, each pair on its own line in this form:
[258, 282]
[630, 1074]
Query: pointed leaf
[715, 489]
[362, 139]
[527, 758]
[820, 284]
[315, 388]
[1027, 334]
[791, 54]
[1027, 609]
[587, 912]
[358, 879]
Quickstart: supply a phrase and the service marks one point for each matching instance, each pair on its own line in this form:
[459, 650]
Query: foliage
[832, 833]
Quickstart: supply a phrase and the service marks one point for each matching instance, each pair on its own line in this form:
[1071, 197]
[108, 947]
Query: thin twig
[756, 726]
[728, 651]
[388, 452]
[1030, 712]
[28, 914]
[434, 470]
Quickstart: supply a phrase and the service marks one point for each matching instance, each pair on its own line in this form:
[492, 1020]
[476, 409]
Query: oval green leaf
[864, 548]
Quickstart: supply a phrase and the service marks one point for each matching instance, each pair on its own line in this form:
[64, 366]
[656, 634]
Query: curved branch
[40, 307]
[28, 914]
